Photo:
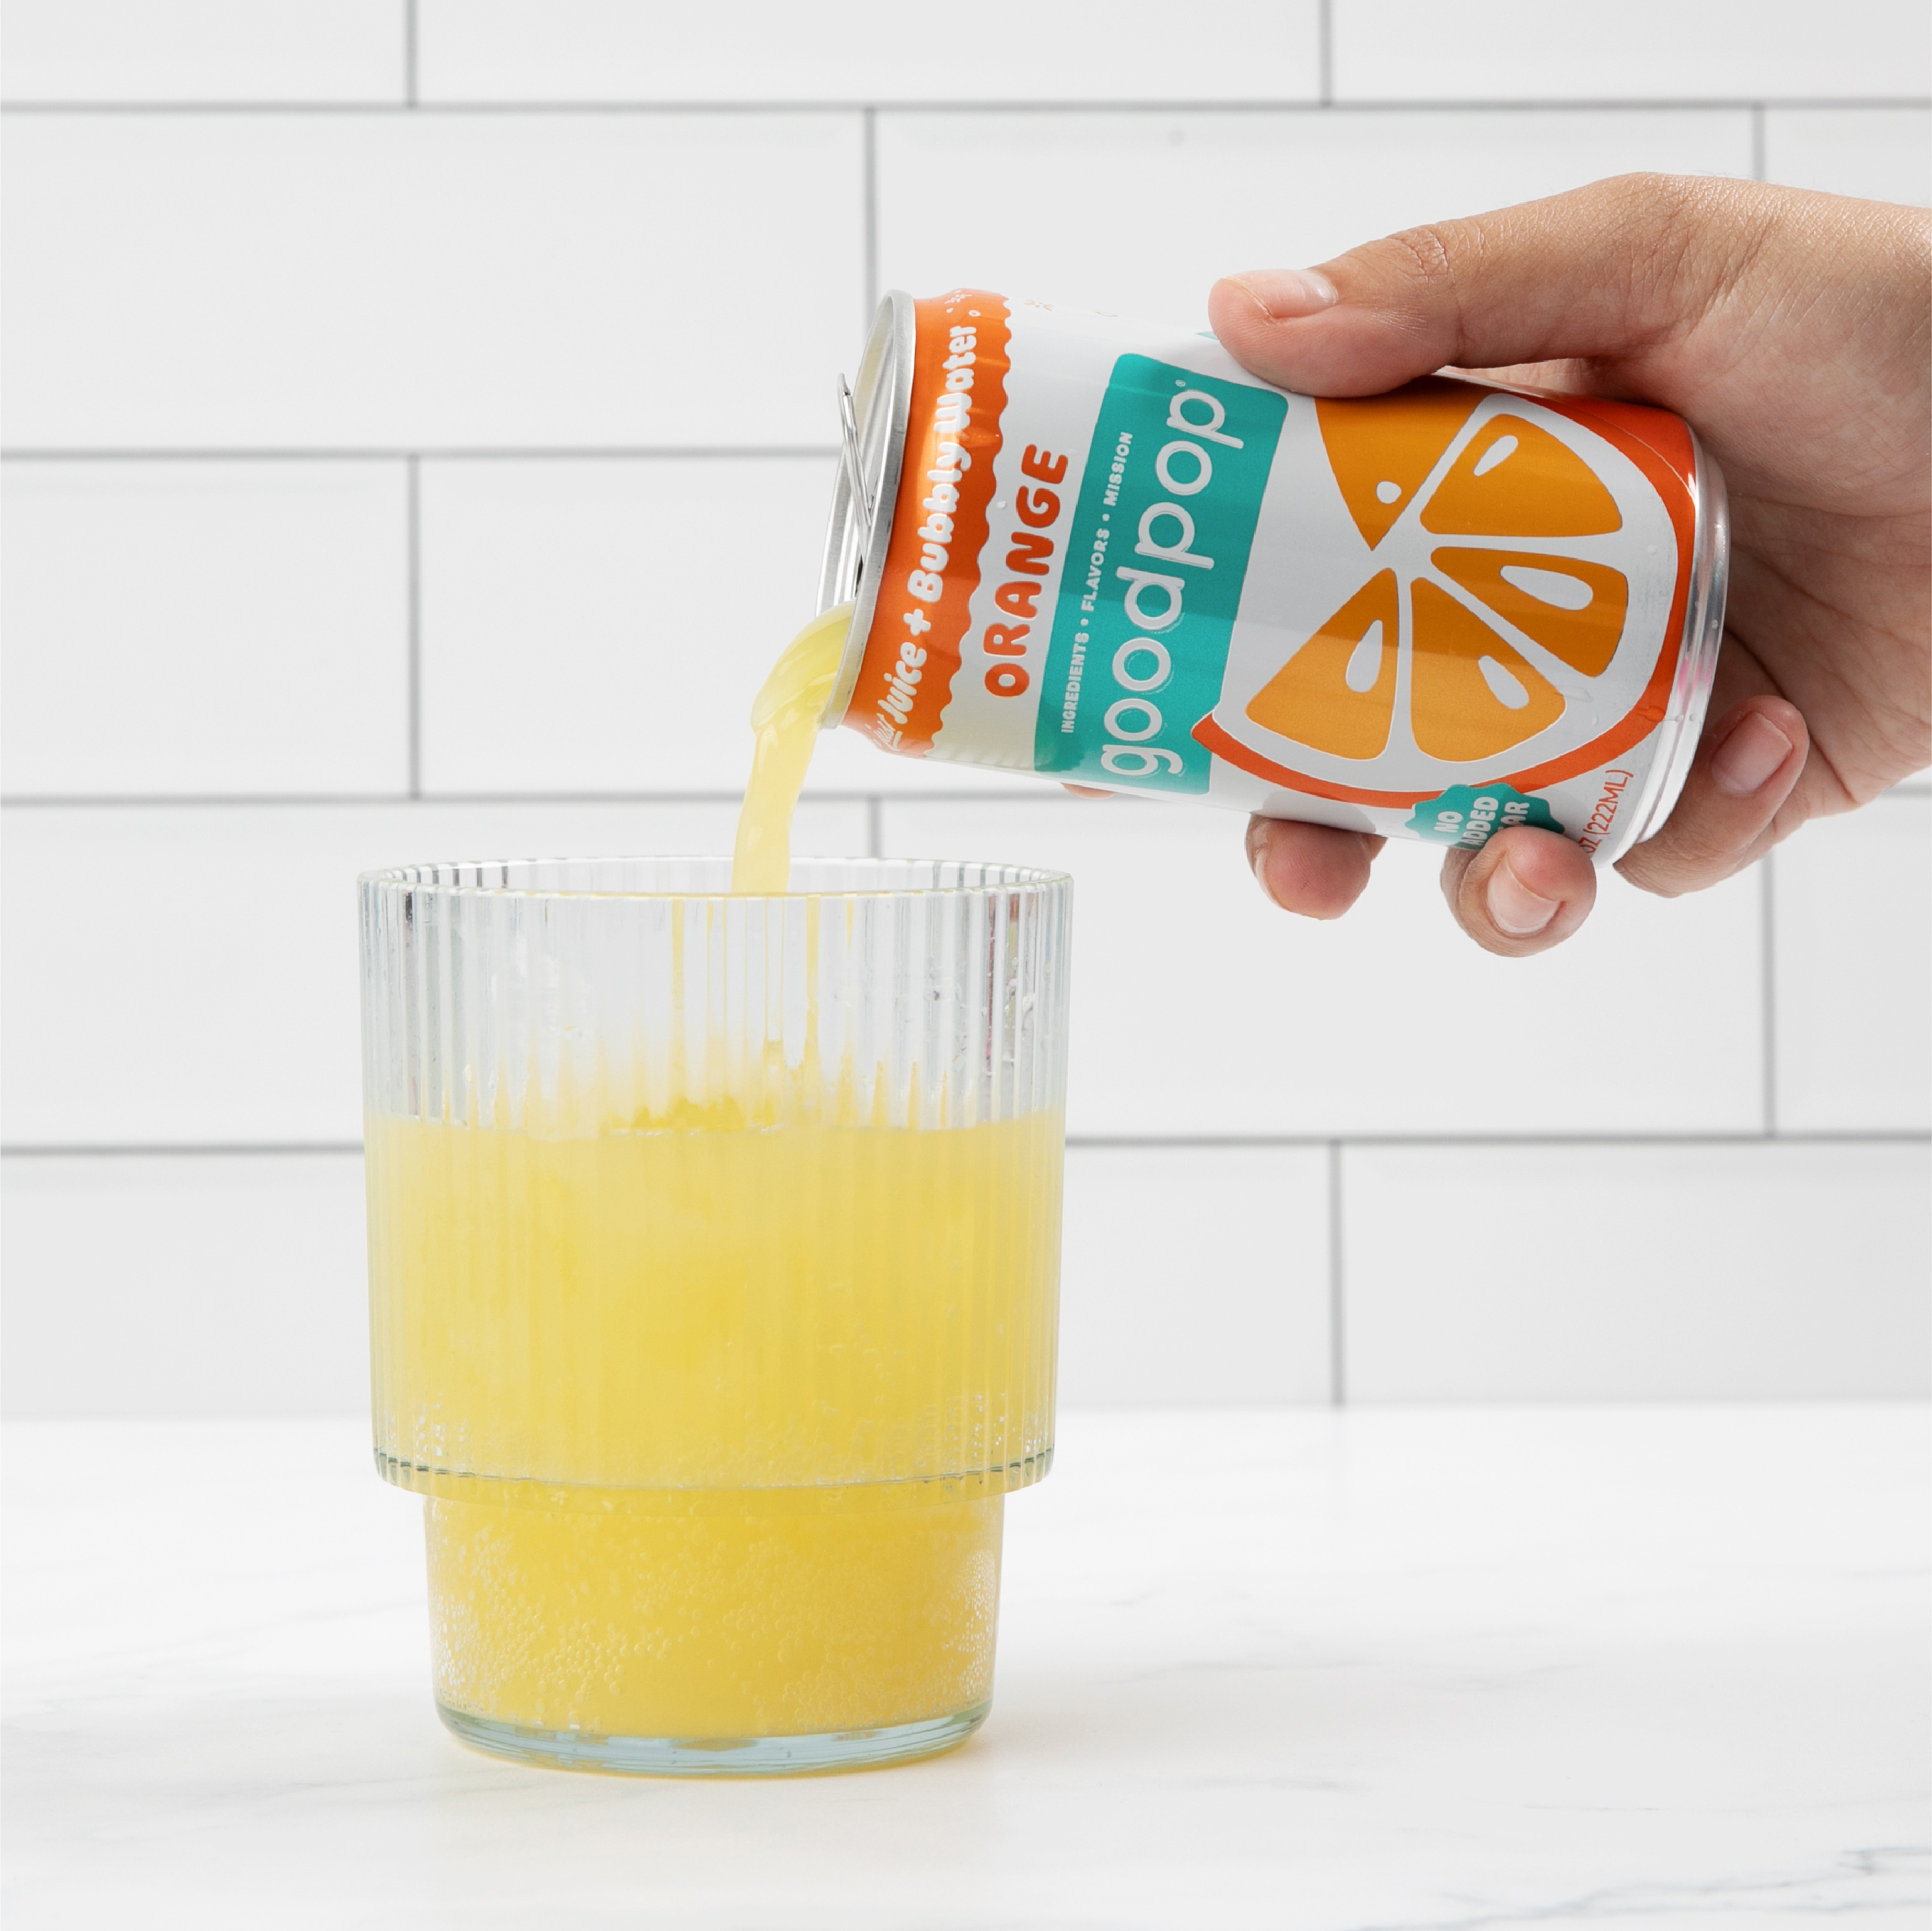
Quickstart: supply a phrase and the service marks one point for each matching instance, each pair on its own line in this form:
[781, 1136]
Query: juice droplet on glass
[785, 716]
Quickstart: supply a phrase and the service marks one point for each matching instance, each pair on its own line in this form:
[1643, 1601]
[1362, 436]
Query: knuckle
[1707, 853]
[1437, 261]
[1688, 863]
[1455, 870]
[1427, 252]
[1647, 877]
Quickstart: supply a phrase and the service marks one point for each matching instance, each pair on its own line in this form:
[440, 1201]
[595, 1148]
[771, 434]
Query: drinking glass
[714, 1249]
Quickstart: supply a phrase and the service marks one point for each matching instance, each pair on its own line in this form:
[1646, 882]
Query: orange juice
[706, 1460]
[703, 1304]
[748, 1615]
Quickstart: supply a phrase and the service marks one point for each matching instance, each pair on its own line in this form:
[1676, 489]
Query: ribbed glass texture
[673, 1192]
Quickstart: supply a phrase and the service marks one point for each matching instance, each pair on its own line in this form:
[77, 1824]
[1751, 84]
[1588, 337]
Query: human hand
[1792, 330]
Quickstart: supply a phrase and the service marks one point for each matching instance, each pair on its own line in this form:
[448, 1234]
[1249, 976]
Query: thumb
[1600, 273]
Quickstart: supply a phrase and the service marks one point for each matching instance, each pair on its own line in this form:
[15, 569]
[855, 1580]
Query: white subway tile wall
[204, 51]
[417, 438]
[1635, 50]
[1852, 933]
[1595, 1272]
[1884, 154]
[1188, 197]
[185, 1284]
[865, 50]
[394, 281]
[1196, 1273]
[223, 628]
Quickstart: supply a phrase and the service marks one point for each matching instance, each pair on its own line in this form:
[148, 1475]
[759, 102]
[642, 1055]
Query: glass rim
[1026, 879]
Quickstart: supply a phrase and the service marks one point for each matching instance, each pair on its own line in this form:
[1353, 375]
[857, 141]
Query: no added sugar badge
[1469, 815]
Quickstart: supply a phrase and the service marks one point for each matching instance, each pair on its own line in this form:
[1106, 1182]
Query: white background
[418, 436]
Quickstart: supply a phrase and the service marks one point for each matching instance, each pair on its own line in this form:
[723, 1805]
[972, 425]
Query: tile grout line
[414, 541]
[1338, 1285]
[1335, 1149]
[409, 92]
[816, 452]
[875, 825]
[1325, 51]
[1767, 989]
[1026, 792]
[1139, 104]
[1758, 161]
[139, 1150]
[257, 800]
[1607, 1136]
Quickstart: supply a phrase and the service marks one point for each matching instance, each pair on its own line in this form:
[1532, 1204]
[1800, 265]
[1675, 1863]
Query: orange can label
[1117, 558]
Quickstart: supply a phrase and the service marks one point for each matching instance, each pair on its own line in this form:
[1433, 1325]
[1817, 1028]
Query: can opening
[855, 475]
[873, 413]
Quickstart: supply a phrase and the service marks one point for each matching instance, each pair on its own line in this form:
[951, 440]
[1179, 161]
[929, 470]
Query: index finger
[1594, 272]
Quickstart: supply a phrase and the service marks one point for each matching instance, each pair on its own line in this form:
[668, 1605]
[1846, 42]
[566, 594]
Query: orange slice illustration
[1382, 455]
[1573, 609]
[1338, 692]
[1515, 479]
[1516, 647]
[1474, 697]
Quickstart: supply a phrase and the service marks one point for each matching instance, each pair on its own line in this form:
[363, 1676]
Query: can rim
[855, 554]
[1697, 659]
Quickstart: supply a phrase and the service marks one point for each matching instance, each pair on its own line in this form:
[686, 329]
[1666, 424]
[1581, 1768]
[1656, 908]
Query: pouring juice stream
[785, 716]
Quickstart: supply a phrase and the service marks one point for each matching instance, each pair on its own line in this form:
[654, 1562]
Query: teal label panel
[1156, 557]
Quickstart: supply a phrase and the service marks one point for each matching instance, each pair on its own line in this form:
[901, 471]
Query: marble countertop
[1665, 1667]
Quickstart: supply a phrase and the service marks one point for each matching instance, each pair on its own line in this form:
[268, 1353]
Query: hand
[1792, 330]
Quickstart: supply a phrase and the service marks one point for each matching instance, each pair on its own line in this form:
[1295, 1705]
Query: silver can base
[722, 1756]
[1697, 661]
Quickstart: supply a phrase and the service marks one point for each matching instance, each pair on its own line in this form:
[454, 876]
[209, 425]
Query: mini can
[1101, 551]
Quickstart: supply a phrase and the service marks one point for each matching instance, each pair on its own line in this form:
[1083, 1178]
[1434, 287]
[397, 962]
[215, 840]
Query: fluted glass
[702, 1225]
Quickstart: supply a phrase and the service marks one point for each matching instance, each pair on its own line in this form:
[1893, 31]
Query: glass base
[720, 1756]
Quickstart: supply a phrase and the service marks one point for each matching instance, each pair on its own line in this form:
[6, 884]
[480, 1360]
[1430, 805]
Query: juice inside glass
[714, 1251]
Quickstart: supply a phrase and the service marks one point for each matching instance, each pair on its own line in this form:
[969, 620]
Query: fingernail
[1748, 757]
[1258, 836]
[1288, 293]
[1513, 907]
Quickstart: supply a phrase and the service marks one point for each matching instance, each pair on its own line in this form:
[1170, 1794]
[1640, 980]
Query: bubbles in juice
[711, 1305]
[758, 1615]
[693, 1405]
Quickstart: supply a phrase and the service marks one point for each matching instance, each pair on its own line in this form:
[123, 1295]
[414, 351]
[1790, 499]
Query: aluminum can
[1101, 551]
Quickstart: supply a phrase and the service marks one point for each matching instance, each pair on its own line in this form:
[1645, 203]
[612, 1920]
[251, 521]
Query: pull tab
[855, 480]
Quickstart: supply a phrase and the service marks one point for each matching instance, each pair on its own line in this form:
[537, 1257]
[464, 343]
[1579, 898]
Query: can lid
[873, 446]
